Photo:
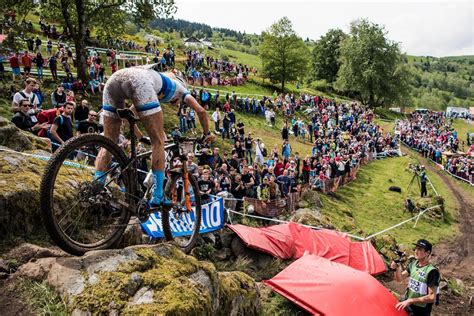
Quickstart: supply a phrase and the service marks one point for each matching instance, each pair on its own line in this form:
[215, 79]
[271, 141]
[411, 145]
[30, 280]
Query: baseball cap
[425, 244]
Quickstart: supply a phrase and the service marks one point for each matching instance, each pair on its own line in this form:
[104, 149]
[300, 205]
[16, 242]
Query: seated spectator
[22, 119]
[95, 86]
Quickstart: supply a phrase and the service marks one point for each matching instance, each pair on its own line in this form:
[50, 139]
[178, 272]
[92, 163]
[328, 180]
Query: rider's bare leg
[154, 127]
[112, 131]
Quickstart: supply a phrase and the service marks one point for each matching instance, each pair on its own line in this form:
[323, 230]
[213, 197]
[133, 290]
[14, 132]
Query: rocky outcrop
[20, 178]
[16, 139]
[157, 279]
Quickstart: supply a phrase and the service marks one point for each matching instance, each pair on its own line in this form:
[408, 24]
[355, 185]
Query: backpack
[26, 98]
[264, 151]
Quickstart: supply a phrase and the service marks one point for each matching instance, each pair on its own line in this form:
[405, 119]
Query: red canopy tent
[324, 287]
[292, 241]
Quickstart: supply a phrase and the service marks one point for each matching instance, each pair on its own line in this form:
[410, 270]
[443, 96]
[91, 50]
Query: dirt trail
[455, 259]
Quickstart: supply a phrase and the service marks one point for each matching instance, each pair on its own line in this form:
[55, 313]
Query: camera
[415, 168]
[401, 256]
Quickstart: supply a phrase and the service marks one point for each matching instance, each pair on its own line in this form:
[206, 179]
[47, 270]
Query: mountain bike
[83, 214]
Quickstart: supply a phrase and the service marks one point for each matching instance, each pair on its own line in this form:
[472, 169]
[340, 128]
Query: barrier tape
[322, 228]
[401, 223]
[255, 216]
[286, 222]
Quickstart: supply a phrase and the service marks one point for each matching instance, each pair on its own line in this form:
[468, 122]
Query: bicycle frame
[172, 151]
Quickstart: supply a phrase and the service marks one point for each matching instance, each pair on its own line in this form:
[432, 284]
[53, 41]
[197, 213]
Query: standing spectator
[216, 117]
[238, 190]
[88, 126]
[39, 61]
[191, 120]
[248, 148]
[27, 61]
[62, 128]
[28, 94]
[49, 47]
[15, 65]
[232, 118]
[215, 161]
[259, 152]
[39, 94]
[81, 112]
[101, 74]
[284, 131]
[284, 182]
[192, 167]
[205, 186]
[286, 150]
[38, 44]
[226, 126]
[423, 180]
[53, 66]
[182, 118]
[30, 42]
[279, 167]
[58, 97]
[241, 130]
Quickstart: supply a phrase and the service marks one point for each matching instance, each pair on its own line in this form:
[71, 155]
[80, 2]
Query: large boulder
[20, 178]
[16, 139]
[307, 216]
[157, 279]
[312, 198]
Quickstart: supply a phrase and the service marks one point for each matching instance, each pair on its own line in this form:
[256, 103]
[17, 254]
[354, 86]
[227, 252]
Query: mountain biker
[147, 89]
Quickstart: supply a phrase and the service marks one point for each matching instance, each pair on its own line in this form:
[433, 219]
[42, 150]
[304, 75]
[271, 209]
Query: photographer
[423, 180]
[423, 281]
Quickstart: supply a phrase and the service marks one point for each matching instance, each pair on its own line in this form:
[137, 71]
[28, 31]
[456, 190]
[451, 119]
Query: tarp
[212, 218]
[293, 240]
[323, 287]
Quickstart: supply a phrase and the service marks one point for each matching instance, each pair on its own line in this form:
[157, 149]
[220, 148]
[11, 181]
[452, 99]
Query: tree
[284, 54]
[325, 58]
[372, 66]
[107, 17]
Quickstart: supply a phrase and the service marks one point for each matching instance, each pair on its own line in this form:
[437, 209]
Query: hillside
[363, 207]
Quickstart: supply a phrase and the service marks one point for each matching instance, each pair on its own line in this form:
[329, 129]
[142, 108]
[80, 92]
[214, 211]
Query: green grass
[463, 127]
[374, 207]
[241, 57]
[42, 298]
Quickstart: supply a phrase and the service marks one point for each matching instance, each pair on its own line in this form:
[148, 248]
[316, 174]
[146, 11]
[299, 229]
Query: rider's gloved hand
[145, 140]
[207, 138]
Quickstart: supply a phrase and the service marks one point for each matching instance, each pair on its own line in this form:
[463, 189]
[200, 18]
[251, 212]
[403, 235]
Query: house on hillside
[193, 42]
[206, 41]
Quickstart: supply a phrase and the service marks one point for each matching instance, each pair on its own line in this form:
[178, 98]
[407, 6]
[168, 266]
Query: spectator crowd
[434, 137]
[342, 135]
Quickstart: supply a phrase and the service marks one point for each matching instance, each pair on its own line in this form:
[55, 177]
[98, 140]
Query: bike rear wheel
[179, 224]
[80, 213]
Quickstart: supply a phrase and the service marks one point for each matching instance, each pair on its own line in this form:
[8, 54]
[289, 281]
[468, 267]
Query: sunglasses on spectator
[26, 105]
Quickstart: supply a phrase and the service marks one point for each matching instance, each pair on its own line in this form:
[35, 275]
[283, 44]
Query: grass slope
[368, 205]
[463, 127]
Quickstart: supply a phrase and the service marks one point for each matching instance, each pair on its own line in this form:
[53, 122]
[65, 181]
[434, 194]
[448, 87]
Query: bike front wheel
[82, 213]
[182, 223]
